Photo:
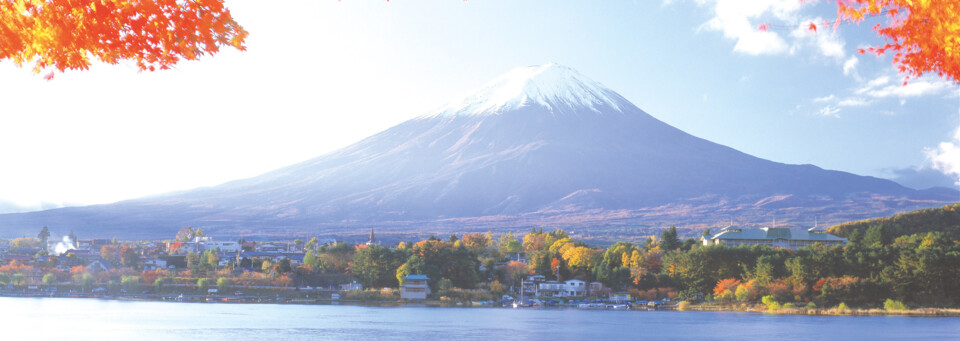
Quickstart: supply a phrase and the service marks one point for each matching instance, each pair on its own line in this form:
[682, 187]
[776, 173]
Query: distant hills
[539, 146]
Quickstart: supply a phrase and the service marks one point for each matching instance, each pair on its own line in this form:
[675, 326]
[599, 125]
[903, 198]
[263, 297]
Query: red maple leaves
[155, 33]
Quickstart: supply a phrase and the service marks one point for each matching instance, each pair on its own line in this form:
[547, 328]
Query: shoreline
[757, 309]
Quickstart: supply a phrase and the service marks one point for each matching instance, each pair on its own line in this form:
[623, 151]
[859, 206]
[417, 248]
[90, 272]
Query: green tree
[222, 284]
[799, 268]
[669, 240]
[202, 283]
[771, 302]
[402, 272]
[892, 305]
[130, 283]
[192, 259]
[613, 257]
[18, 279]
[43, 236]
[462, 269]
[508, 244]
[284, 266]
[49, 279]
[445, 284]
[727, 296]
[310, 258]
[86, 281]
[743, 293]
[376, 266]
[158, 284]
[212, 258]
[763, 272]
[439, 259]
[876, 236]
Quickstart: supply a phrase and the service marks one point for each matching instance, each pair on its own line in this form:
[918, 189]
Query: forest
[911, 258]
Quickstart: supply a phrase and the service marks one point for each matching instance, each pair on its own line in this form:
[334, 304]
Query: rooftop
[733, 232]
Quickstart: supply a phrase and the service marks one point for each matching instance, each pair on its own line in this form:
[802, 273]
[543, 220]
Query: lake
[92, 319]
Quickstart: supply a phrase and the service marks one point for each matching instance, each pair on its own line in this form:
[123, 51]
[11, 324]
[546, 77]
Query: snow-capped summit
[555, 87]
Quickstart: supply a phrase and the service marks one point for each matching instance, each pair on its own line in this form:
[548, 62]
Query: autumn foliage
[725, 285]
[155, 33]
[923, 35]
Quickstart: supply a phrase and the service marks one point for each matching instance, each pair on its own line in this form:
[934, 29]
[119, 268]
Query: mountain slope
[542, 145]
[944, 219]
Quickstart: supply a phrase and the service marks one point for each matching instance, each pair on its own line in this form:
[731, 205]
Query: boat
[523, 304]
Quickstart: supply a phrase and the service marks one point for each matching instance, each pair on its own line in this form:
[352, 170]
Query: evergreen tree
[876, 236]
[669, 240]
[43, 236]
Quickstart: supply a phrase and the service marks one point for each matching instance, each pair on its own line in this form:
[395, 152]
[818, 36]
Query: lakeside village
[765, 269]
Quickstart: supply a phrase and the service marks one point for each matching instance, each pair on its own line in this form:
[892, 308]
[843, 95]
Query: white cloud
[946, 157]
[879, 88]
[850, 66]
[825, 99]
[826, 40]
[853, 102]
[879, 81]
[738, 19]
[829, 111]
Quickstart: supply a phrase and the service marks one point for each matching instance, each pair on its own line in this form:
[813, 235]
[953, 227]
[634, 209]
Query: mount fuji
[539, 146]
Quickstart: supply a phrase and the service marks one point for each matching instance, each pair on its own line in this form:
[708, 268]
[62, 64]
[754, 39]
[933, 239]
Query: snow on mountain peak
[555, 87]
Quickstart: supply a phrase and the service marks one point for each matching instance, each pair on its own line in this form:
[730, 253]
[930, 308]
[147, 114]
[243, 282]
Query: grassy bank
[834, 311]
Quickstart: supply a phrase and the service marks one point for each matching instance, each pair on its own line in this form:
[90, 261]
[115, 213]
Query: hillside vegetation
[944, 219]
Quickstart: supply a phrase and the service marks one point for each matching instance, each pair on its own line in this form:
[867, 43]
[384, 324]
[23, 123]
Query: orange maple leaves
[725, 285]
[923, 35]
[66, 34]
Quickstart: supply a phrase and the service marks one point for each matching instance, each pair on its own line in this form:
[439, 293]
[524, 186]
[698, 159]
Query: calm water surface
[91, 319]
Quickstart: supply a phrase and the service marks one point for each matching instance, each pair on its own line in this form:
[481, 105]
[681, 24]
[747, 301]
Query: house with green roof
[415, 287]
[777, 237]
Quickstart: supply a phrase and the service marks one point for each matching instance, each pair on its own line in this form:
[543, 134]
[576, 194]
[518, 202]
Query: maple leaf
[924, 36]
[812, 27]
[156, 34]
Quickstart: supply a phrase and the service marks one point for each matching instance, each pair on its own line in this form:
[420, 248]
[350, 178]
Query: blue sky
[319, 75]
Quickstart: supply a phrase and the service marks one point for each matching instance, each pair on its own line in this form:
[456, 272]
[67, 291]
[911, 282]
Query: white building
[777, 237]
[415, 287]
[200, 244]
[568, 288]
